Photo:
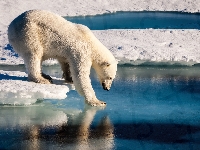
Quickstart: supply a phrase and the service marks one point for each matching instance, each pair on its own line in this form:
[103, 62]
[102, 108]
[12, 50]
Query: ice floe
[16, 90]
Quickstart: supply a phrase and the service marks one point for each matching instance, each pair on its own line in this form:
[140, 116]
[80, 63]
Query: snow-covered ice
[151, 46]
[16, 90]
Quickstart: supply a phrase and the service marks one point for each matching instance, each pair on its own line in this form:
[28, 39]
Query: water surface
[148, 107]
[140, 20]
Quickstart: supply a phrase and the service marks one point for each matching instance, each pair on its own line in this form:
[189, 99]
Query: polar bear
[37, 35]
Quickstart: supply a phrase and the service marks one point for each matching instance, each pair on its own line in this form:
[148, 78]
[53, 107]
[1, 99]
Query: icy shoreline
[16, 90]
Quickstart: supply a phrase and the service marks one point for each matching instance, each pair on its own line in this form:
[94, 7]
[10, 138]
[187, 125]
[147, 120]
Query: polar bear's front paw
[96, 103]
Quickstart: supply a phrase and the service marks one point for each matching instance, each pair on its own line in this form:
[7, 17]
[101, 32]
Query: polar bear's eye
[110, 78]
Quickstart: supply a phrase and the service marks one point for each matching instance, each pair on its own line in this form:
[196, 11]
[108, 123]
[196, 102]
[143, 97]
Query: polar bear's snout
[106, 85]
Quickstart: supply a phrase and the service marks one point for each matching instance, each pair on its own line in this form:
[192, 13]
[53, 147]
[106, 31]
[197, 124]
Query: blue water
[140, 20]
[148, 108]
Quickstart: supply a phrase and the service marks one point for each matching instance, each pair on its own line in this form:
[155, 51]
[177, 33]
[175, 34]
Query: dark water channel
[140, 20]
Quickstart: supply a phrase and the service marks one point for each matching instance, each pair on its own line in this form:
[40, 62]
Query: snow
[128, 46]
[16, 90]
[153, 46]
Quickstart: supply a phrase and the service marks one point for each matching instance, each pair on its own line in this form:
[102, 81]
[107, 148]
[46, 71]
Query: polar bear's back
[40, 18]
[44, 28]
[40, 30]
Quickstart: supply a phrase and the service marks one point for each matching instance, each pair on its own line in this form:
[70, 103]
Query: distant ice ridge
[15, 90]
[149, 46]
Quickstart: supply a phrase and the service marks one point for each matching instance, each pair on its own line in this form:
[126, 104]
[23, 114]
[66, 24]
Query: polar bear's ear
[105, 64]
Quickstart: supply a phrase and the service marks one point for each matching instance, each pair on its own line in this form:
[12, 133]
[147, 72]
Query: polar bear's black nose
[104, 86]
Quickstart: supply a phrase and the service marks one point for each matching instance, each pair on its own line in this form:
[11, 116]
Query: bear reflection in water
[75, 134]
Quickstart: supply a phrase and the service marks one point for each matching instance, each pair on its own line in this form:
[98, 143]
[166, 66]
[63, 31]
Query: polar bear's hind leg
[33, 52]
[33, 67]
[66, 71]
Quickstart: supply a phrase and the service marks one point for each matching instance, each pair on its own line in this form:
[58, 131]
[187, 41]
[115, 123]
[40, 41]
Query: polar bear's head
[106, 72]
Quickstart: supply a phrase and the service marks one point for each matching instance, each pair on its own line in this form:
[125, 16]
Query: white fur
[38, 35]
